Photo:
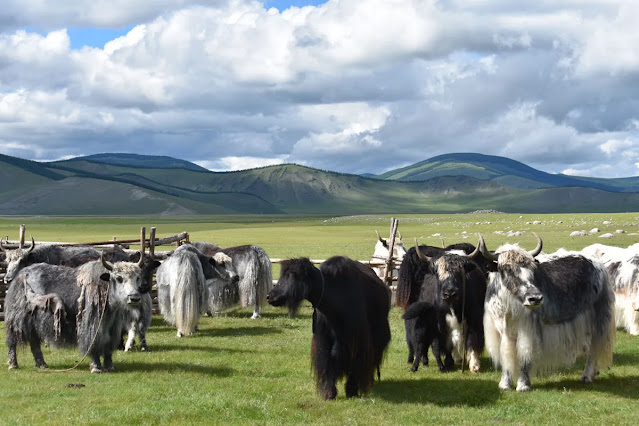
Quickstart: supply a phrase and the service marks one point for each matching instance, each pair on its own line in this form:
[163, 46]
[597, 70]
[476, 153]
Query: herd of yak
[533, 312]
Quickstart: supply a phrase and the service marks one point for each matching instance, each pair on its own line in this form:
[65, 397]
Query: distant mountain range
[139, 184]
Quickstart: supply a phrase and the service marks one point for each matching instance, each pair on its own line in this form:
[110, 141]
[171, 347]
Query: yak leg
[325, 355]
[12, 360]
[419, 354]
[507, 351]
[142, 333]
[96, 365]
[449, 362]
[108, 362]
[130, 341]
[256, 309]
[408, 327]
[36, 350]
[589, 371]
[523, 383]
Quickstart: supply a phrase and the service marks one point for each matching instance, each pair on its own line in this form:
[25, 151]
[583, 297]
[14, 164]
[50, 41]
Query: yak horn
[475, 252]
[106, 264]
[381, 240]
[537, 249]
[482, 247]
[442, 240]
[422, 256]
[399, 234]
[32, 245]
[1, 246]
[142, 238]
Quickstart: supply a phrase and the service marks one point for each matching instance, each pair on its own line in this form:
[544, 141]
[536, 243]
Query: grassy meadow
[241, 371]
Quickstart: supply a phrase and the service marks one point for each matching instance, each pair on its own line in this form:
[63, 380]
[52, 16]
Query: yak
[454, 284]
[137, 318]
[65, 306]
[254, 269]
[182, 290]
[542, 315]
[46, 253]
[350, 319]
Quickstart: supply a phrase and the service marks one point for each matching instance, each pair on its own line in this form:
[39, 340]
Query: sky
[354, 86]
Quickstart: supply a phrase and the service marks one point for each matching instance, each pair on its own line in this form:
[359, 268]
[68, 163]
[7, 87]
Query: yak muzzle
[134, 299]
[533, 301]
[448, 294]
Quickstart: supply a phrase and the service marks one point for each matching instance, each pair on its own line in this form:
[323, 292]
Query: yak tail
[416, 310]
[189, 299]
[257, 280]
[603, 339]
[409, 280]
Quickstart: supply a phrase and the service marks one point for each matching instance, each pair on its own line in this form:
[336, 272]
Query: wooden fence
[152, 243]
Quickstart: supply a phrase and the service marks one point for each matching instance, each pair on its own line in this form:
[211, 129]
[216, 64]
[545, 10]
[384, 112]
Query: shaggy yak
[350, 320]
[254, 269]
[452, 285]
[540, 316]
[137, 318]
[65, 306]
[46, 253]
[182, 290]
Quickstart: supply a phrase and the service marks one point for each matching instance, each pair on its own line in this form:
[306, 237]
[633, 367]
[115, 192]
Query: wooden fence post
[388, 270]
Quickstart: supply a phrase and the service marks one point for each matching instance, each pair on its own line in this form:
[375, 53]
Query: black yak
[350, 320]
[65, 306]
[254, 269]
[455, 285]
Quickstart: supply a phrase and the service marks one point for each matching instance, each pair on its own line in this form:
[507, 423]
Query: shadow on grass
[173, 367]
[623, 386]
[237, 331]
[625, 359]
[184, 346]
[244, 314]
[449, 392]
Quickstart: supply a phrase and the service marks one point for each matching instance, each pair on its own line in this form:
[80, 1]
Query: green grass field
[241, 371]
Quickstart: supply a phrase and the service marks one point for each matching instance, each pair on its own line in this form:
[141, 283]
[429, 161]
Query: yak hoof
[586, 379]
[523, 387]
[108, 369]
[255, 315]
[13, 366]
[42, 366]
[505, 385]
[330, 393]
[95, 369]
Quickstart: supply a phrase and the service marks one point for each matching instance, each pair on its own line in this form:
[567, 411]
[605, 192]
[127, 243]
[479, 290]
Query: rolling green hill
[117, 186]
[503, 170]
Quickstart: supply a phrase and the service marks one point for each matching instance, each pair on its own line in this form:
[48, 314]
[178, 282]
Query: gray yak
[254, 269]
[65, 306]
[182, 289]
[45, 253]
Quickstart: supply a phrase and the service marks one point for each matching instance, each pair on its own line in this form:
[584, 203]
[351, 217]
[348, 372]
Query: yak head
[125, 280]
[220, 268]
[382, 249]
[451, 269]
[516, 271]
[294, 285]
[16, 260]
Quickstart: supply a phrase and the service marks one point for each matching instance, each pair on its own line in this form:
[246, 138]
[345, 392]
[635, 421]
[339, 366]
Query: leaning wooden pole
[388, 274]
[142, 239]
[23, 228]
[152, 243]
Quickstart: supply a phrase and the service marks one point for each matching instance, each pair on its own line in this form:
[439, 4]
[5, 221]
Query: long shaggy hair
[182, 293]
[576, 317]
[350, 321]
[254, 269]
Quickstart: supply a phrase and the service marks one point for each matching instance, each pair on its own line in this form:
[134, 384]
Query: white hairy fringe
[187, 295]
[557, 347]
[255, 281]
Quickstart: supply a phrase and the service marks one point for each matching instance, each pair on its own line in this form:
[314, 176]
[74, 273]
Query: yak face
[220, 267]
[451, 271]
[516, 273]
[382, 251]
[16, 260]
[125, 279]
[293, 286]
